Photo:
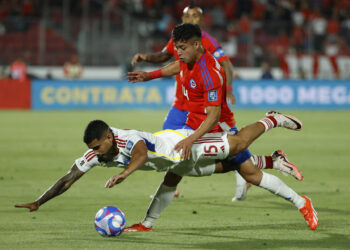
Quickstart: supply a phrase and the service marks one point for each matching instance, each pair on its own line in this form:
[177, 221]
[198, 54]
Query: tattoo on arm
[61, 185]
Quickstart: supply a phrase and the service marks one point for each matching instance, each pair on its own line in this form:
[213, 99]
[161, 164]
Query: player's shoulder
[209, 40]
[207, 60]
[90, 156]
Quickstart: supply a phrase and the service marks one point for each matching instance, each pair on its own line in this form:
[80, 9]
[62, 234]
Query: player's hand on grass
[31, 206]
[185, 146]
[138, 58]
[231, 99]
[138, 76]
[116, 179]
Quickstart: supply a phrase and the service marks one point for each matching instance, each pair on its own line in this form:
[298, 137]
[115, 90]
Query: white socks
[277, 186]
[161, 200]
[268, 122]
[241, 187]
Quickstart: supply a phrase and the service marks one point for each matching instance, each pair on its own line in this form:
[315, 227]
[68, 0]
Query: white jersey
[161, 153]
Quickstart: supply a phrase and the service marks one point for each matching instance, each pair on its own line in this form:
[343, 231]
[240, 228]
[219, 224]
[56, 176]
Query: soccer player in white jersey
[210, 154]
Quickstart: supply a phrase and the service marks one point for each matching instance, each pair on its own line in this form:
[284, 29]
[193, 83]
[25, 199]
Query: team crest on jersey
[129, 145]
[212, 95]
[193, 84]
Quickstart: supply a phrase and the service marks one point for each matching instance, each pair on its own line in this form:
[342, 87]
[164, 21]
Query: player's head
[100, 139]
[187, 39]
[192, 14]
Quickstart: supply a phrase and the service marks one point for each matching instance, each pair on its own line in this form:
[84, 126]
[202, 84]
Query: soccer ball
[110, 221]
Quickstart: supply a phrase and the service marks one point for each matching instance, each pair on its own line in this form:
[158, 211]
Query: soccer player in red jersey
[177, 115]
[203, 88]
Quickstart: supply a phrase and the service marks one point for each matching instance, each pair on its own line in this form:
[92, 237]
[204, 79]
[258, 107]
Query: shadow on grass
[325, 240]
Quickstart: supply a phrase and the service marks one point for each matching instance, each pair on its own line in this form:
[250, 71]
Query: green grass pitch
[37, 148]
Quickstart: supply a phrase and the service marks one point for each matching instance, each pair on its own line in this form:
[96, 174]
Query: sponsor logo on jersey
[193, 84]
[129, 145]
[212, 95]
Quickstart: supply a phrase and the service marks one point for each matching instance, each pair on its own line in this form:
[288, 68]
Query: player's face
[187, 50]
[193, 16]
[104, 148]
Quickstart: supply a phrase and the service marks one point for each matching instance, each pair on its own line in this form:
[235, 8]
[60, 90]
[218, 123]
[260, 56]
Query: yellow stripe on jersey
[169, 130]
[161, 132]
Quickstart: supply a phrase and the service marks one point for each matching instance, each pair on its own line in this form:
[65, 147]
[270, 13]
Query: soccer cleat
[281, 163]
[286, 121]
[241, 192]
[177, 193]
[309, 213]
[137, 228]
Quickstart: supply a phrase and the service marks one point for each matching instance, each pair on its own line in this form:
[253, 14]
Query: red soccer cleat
[309, 214]
[137, 228]
[177, 193]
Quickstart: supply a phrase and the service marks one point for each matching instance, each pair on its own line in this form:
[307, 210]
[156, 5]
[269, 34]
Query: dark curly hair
[186, 31]
[95, 130]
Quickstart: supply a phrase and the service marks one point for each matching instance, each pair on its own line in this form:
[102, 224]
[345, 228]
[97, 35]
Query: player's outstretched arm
[58, 188]
[158, 57]
[171, 69]
[138, 158]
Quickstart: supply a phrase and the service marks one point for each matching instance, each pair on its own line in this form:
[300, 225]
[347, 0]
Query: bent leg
[241, 141]
[254, 175]
[248, 134]
[162, 198]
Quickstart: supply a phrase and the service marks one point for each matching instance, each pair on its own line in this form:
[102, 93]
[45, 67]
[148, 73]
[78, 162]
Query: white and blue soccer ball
[110, 221]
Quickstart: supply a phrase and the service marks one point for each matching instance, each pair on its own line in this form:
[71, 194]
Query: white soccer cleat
[241, 192]
[281, 163]
[286, 121]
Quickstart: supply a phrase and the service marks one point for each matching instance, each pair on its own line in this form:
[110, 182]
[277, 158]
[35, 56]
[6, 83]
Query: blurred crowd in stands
[251, 31]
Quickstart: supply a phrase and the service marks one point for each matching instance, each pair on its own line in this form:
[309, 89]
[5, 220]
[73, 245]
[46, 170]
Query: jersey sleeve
[210, 44]
[126, 142]
[87, 161]
[170, 47]
[213, 84]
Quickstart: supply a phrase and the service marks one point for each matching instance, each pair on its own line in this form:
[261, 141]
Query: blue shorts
[241, 157]
[175, 119]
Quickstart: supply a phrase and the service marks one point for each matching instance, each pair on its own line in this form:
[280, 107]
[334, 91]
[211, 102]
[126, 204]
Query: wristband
[155, 74]
[229, 88]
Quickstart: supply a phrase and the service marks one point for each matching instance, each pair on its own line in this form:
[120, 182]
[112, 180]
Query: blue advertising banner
[266, 94]
[306, 94]
[64, 95]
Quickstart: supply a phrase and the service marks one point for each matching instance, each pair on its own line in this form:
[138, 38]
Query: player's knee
[239, 146]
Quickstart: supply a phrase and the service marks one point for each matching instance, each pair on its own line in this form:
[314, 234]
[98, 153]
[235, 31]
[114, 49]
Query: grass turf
[39, 147]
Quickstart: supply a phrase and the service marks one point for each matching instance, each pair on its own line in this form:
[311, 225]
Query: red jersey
[210, 44]
[203, 85]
